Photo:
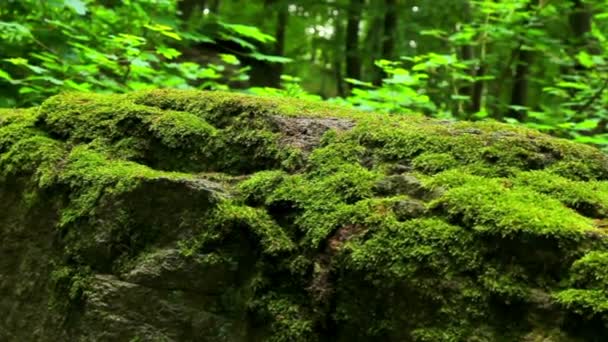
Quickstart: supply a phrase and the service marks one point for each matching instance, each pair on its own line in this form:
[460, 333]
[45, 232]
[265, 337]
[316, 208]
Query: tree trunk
[519, 92]
[580, 19]
[353, 58]
[280, 33]
[477, 91]
[336, 56]
[187, 7]
[267, 74]
[388, 35]
[390, 27]
[467, 54]
[580, 24]
[373, 45]
[214, 6]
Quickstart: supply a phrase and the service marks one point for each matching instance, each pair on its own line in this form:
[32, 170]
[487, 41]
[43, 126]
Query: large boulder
[209, 216]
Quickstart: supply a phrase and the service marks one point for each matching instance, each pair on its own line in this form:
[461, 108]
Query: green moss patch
[311, 221]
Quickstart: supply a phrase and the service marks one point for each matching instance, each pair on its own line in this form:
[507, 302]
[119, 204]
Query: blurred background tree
[540, 63]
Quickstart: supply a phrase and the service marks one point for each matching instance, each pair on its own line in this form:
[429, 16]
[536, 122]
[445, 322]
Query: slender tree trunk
[373, 44]
[269, 74]
[519, 91]
[580, 24]
[580, 19]
[353, 57]
[477, 91]
[280, 33]
[214, 6]
[388, 35]
[336, 56]
[187, 7]
[390, 27]
[467, 55]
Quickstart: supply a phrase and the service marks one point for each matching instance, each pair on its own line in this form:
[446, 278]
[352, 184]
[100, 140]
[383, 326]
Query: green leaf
[585, 59]
[596, 139]
[158, 27]
[197, 37]
[77, 5]
[5, 75]
[77, 86]
[239, 41]
[36, 69]
[585, 125]
[269, 58]
[433, 33]
[168, 53]
[229, 59]
[164, 30]
[573, 85]
[17, 61]
[249, 32]
[359, 83]
[171, 34]
[27, 90]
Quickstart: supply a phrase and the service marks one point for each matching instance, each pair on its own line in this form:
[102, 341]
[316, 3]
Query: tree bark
[519, 91]
[467, 54]
[580, 24]
[353, 58]
[580, 19]
[214, 6]
[187, 7]
[390, 27]
[477, 91]
[269, 74]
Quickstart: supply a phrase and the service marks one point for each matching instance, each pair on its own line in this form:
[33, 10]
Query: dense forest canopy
[542, 63]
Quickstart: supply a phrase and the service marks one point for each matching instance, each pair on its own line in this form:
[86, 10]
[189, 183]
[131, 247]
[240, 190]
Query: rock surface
[202, 216]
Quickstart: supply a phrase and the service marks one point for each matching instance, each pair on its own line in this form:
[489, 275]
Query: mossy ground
[401, 228]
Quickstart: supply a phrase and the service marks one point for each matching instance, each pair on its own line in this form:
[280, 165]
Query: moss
[272, 237]
[89, 174]
[68, 287]
[434, 162]
[497, 208]
[411, 248]
[589, 198]
[220, 106]
[171, 140]
[458, 223]
[35, 155]
[289, 321]
[16, 126]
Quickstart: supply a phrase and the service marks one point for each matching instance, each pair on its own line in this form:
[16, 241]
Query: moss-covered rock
[208, 216]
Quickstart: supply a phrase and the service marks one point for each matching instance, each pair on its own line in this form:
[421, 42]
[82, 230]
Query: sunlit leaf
[270, 58]
[77, 5]
[171, 34]
[229, 59]
[585, 125]
[5, 75]
[573, 85]
[249, 32]
[17, 61]
[585, 59]
[169, 53]
[359, 83]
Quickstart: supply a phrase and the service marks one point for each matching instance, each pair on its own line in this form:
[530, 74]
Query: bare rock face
[305, 133]
[209, 216]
